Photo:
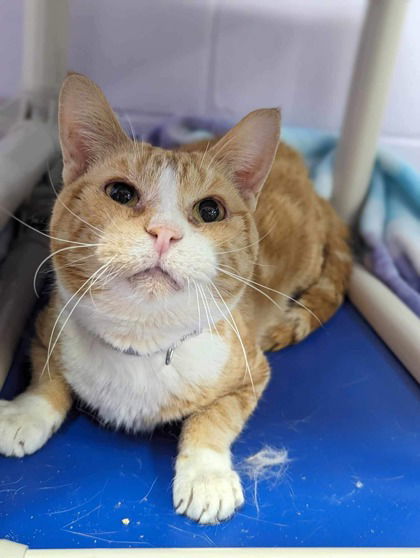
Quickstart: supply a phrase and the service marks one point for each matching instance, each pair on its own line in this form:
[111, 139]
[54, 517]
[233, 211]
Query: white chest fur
[130, 391]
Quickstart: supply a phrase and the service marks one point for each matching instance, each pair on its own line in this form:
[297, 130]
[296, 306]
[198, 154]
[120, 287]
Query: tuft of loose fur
[160, 313]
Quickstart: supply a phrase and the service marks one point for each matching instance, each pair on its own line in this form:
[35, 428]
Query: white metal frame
[29, 143]
[394, 322]
[14, 550]
[367, 97]
[32, 140]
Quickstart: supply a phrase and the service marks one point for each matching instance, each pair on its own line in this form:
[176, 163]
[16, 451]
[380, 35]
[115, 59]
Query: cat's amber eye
[122, 193]
[209, 210]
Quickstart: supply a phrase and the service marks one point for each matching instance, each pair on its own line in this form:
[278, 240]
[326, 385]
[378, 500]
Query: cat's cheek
[194, 258]
[131, 253]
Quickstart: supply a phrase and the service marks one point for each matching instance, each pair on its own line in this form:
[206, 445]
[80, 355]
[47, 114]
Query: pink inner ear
[251, 173]
[75, 155]
[247, 181]
[89, 129]
[249, 150]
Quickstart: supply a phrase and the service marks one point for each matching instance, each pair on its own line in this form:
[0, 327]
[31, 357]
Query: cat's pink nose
[164, 236]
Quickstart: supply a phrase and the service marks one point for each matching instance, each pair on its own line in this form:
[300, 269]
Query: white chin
[154, 283]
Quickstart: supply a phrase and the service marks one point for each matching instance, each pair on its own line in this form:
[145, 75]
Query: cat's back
[288, 193]
[303, 253]
[291, 219]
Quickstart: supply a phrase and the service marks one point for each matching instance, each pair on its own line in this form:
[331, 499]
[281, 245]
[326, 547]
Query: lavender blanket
[389, 222]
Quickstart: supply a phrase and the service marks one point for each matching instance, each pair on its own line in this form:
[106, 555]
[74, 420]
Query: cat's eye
[122, 193]
[209, 210]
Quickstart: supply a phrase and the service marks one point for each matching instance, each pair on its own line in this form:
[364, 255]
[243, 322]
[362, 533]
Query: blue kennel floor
[342, 405]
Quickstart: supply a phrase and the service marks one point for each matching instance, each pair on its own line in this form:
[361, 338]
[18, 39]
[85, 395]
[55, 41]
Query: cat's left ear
[248, 151]
[89, 129]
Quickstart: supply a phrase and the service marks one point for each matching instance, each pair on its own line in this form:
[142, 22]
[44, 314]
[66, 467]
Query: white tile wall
[226, 57]
[282, 53]
[149, 54]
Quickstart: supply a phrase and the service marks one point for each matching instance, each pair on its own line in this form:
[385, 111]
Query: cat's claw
[207, 495]
[25, 425]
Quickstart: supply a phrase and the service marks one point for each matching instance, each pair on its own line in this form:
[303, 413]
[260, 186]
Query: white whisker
[133, 135]
[204, 154]
[206, 310]
[255, 263]
[211, 317]
[235, 328]
[189, 290]
[68, 209]
[38, 231]
[133, 138]
[51, 256]
[72, 262]
[251, 283]
[94, 276]
[198, 305]
[112, 222]
[220, 149]
[248, 245]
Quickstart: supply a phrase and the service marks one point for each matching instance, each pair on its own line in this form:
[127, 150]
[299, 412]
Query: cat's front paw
[206, 488]
[26, 423]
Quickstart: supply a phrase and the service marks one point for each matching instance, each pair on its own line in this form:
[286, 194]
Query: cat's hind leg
[29, 420]
[314, 305]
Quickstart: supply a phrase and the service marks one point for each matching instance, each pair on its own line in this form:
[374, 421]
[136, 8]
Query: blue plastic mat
[340, 403]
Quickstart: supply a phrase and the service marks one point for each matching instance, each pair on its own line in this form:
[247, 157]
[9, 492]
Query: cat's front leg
[29, 420]
[206, 488]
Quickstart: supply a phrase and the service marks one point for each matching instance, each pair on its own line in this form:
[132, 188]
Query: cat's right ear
[88, 128]
[248, 151]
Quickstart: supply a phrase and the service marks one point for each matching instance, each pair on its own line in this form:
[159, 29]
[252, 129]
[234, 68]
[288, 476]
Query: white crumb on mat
[269, 464]
[125, 521]
[359, 484]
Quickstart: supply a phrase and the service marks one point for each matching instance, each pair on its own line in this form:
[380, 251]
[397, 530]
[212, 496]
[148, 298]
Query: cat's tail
[315, 305]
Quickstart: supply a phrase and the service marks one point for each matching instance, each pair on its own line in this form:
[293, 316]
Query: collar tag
[169, 355]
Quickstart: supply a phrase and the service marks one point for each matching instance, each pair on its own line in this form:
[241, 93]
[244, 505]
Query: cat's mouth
[155, 276]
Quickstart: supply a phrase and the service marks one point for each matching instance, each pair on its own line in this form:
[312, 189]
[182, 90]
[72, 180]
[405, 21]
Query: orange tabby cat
[174, 271]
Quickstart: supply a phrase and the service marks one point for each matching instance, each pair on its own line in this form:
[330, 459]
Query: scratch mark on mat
[144, 499]
[190, 534]
[5, 483]
[262, 520]
[81, 517]
[78, 505]
[14, 490]
[57, 486]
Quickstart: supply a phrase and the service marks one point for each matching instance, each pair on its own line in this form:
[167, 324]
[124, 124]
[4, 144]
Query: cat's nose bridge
[164, 235]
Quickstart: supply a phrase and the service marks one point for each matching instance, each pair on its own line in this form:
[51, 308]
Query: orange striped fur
[264, 277]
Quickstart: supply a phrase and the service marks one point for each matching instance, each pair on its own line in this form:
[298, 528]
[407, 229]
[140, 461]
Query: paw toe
[21, 432]
[208, 497]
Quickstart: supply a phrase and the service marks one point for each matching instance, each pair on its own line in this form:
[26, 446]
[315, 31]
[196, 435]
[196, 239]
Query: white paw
[26, 423]
[206, 488]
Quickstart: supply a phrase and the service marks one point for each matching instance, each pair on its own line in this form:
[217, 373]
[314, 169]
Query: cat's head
[148, 225]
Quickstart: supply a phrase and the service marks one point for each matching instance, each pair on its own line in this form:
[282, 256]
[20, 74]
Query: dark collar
[132, 352]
